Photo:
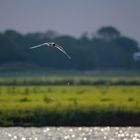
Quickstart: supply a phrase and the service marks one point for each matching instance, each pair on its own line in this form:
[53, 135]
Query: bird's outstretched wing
[49, 44]
[38, 45]
[62, 50]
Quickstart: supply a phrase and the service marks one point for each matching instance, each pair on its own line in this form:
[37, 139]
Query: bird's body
[53, 45]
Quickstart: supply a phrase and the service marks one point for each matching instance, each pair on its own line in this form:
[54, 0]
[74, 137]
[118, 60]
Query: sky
[71, 17]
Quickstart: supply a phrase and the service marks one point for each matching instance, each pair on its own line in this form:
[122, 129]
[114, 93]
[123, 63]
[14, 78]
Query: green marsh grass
[69, 80]
[69, 105]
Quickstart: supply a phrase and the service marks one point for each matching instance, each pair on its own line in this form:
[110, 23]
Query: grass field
[84, 79]
[44, 96]
[69, 105]
[69, 98]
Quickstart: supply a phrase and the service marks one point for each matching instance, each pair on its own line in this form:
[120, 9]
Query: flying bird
[53, 45]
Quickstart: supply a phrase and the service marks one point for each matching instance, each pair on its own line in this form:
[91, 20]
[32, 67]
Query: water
[70, 133]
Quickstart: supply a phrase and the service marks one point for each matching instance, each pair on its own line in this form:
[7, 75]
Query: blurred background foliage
[108, 49]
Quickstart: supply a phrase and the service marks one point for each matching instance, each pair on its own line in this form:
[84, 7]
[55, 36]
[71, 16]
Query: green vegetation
[69, 105]
[49, 78]
[80, 98]
[96, 90]
[108, 49]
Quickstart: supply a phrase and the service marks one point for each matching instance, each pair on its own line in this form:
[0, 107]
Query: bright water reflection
[70, 133]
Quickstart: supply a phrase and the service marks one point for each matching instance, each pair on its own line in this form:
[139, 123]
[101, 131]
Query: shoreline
[71, 118]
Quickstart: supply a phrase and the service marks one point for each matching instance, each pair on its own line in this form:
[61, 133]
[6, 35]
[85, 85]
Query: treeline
[107, 49]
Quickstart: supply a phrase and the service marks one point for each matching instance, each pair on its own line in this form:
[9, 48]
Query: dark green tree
[108, 33]
[108, 50]
[9, 52]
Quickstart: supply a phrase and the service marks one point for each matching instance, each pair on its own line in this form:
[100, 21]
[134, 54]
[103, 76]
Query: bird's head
[52, 44]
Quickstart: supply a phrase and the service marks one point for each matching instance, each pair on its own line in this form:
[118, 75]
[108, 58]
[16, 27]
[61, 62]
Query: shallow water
[70, 133]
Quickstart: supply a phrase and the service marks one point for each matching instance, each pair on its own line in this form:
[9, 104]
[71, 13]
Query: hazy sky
[71, 17]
